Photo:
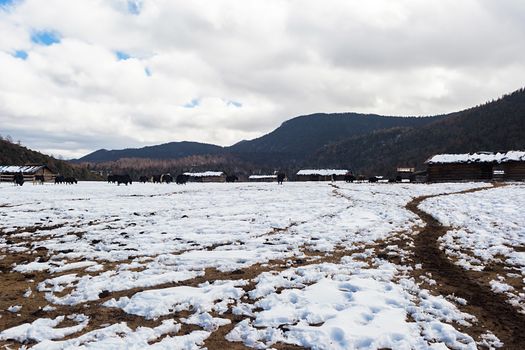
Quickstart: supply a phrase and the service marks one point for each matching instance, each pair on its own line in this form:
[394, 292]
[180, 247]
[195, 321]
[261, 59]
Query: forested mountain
[367, 144]
[172, 150]
[293, 142]
[297, 139]
[497, 125]
[15, 154]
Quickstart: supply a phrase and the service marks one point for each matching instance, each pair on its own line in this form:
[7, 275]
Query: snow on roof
[18, 169]
[205, 174]
[255, 177]
[323, 172]
[478, 157]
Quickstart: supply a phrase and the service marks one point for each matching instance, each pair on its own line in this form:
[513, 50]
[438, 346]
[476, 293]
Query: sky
[80, 75]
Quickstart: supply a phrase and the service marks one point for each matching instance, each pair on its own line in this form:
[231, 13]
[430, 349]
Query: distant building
[207, 176]
[406, 170]
[262, 178]
[405, 174]
[322, 174]
[7, 172]
[477, 166]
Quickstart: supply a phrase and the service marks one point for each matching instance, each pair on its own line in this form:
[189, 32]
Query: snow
[89, 287]
[53, 267]
[499, 287]
[479, 157]
[205, 174]
[486, 227]
[323, 172]
[14, 308]
[206, 321]
[256, 177]
[257, 251]
[18, 169]
[120, 336]
[44, 329]
[159, 302]
[346, 306]
[490, 341]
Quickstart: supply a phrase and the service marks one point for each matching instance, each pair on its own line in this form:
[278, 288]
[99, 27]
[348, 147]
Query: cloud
[82, 75]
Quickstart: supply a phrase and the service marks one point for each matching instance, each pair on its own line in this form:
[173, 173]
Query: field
[235, 266]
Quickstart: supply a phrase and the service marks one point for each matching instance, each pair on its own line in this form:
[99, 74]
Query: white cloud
[277, 58]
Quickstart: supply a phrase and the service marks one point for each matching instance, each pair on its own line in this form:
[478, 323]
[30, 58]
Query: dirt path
[492, 310]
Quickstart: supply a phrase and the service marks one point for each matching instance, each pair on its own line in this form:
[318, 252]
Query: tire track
[492, 310]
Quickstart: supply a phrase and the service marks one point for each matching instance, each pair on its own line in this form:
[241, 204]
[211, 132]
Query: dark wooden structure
[262, 178]
[480, 166]
[207, 176]
[404, 174]
[30, 172]
[322, 174]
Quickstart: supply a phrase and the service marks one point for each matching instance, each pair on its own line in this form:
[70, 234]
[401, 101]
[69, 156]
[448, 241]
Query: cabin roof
[205, 174]
[28, 169]
[255, 177]
[323, 172]
[478, 157]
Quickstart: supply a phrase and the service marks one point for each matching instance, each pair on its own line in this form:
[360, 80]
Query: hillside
[297, 139]
[497, 125]
[14, 154]
[368, 144]
[172, 150]
[292, 142]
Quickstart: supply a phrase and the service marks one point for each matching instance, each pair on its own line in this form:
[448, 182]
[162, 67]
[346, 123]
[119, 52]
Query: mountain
[172, 150]
[367, 144]
[297, 139]
[15, 154]
[292, 142]
[497, 125]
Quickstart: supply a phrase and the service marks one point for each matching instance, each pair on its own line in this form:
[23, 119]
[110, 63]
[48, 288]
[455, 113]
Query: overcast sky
[79, 75]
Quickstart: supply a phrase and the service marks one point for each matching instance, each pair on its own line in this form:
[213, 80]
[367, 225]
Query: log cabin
[262, 178]
[207, 176]
[479, 166]
[322, 174]
[7, 172]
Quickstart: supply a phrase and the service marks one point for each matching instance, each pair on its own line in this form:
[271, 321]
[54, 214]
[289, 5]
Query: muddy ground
[491, 310]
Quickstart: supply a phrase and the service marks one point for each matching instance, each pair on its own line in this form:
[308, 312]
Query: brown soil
[14, 284]
[492, 310]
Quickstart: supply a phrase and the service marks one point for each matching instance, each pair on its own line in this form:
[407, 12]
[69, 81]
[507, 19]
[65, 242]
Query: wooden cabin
[262, 178]
[7, 172]
[322, 174]
[207, 176]
[405, 174]
[479, 166]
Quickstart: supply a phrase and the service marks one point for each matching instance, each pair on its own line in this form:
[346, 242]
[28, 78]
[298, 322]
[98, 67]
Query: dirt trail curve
[491, 309]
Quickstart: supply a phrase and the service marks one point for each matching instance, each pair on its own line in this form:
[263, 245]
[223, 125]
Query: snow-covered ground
[487, 234]
[293, 264]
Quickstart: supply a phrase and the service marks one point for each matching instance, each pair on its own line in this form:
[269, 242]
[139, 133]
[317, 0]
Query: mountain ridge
[169, 150]
[366, 143]
[296, 139]
[493, 126]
